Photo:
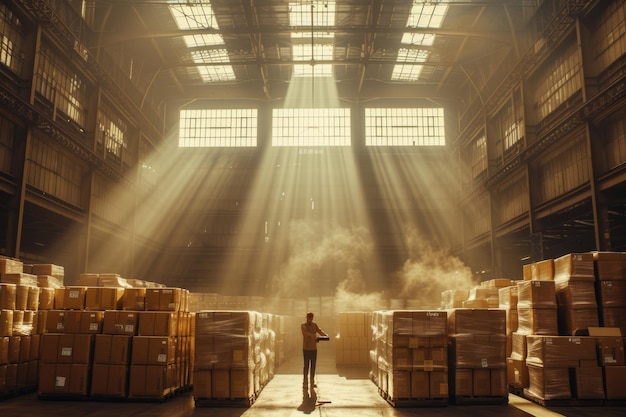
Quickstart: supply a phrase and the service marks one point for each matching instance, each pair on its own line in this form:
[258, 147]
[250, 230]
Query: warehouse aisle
[341, 392]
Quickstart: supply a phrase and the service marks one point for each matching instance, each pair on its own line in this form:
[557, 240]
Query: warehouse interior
[334, 156]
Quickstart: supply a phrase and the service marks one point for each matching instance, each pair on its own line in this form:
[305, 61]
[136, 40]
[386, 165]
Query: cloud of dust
[352, 295]
[430, 271]
[313, 246]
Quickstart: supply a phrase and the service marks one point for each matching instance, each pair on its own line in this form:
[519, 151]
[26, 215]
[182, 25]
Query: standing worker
[310, 330]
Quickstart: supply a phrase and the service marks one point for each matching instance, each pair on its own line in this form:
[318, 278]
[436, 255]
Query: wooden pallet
[417, 402]
[224, 402]
[562, 402]
[479, 400]
[62, 397]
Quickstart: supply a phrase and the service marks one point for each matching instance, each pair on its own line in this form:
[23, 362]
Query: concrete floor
[341, 392]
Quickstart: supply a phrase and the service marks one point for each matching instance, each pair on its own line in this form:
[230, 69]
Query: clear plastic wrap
[479, 351]
[476, 321]
[561, 351]
[536, 294]
[549, 383]
[540, 321]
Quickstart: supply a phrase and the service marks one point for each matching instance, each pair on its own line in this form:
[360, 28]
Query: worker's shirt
[309, 336]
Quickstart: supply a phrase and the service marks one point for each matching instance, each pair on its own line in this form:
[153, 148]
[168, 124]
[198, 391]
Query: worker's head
[309, 317]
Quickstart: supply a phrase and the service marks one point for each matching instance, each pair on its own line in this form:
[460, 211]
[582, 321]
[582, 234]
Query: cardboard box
[8, 296]
[561, 351]
[517, 372]
[536, 294]
[153, 350]
[614, 317]
[399, 384]
[548, 383]
[476, 321]
[10, 265]
[158, 323]
[134, 299]
[538, 321]
[112, 349]
[507, 297]
[103, 298]
[574, 266]
[19, 278]
[542, 270]
[109, 380]
[163, 299]
[242, 383]
[577, 293]
[615, 382]
[202, 384]
[577, 320]
[120, 322]
[611, 270]
[67, 348]
[55, 321]
[478, 351]
[611, 294]
[48, 269]
[611, 350]
[63, 379]
[589, 383]
[46, 298]
[463, 384]
[8, 378]
[6, 323]
[74, 298]
[153, 381]
[221, 384]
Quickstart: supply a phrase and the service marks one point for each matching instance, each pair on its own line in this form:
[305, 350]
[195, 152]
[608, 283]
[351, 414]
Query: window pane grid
[311, 127]
[218, 128]
[404, 127]
[561, 82]
[10, 40]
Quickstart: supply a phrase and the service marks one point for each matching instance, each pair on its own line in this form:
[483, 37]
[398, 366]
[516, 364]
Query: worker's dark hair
[310, 314]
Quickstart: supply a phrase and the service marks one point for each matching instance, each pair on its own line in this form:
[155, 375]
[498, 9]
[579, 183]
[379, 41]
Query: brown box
[8, 296]
[577, 320]
[481, 382]
[14, 349]
[478, 351]
[589, 384]
[120, 322]
[10, 265]
[74, 298]
[8, 375]
[163, 299]
[577, 293]
[46, 298]
[610, 351]
[548, 383]
[476, 321]
[561, 351]
[542, 270]
[242, 383]
[202, 384]
[463, 382]
[48, 269]
[134, 299]
[109, 380]
[6, 323]
[541, 321]
[429, 323]
[400, 384]
[611, 293]
[35, 346]
[517, 373]
[420, 384]
[614, 317]
[536, 294]
[55, 321]
[615, 382]
[574, 266]
[221, 383]
[66, 348]
[150, 380]
[63, 379]
[91, 322]
[507, 296]
[153, 350]
[112, 349]
[158, 323]
[103, 298]
[4, 350]
[612, 270]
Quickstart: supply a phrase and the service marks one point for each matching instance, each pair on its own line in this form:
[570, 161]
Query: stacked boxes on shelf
[410, 356]
[610, 347]
[22, 302]
[575, 293]
[353, 345]
[233, 356]
[477, 356]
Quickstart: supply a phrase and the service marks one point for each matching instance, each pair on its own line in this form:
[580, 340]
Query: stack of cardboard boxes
[234, 358]
[409, 359]
[353, 345]
[114, 342]
[25, 295]
[477, 355]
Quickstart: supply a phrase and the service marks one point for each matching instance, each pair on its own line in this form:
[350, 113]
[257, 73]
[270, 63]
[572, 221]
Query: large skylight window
[199, 15]
[311, 43]
[404, 127]
[422, 15]
[311, 127]
[205, 128]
